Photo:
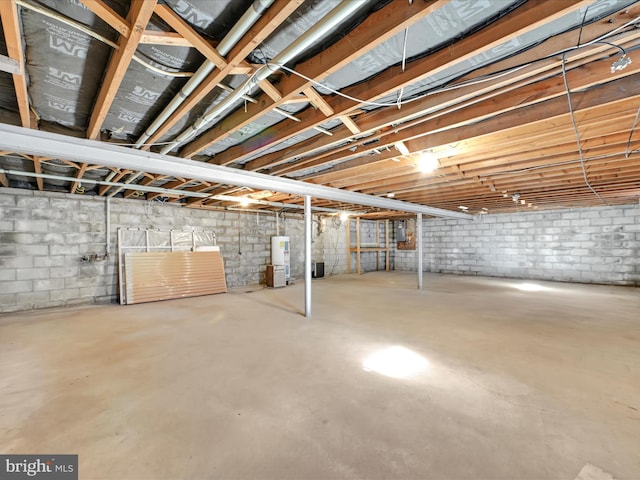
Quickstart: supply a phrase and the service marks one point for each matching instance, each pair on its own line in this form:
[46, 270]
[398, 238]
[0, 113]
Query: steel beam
[35, 142]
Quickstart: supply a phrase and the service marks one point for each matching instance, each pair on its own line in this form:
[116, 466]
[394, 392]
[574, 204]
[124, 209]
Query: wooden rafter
[477, 108]
[139, 14]
[13, 40]
[389, 81]
[380, 26]
[107, 14]
[176, 22]
[270, 20]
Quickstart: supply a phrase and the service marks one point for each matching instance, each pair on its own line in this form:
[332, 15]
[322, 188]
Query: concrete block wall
[44, 235]
[330, 245]
[591, 245]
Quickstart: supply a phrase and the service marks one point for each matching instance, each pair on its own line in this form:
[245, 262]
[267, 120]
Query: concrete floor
[508, 383]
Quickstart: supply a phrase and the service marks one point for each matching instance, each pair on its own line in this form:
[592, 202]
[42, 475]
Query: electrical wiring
[575, 129]
[475, 81]
[546, 165]
[633, 128]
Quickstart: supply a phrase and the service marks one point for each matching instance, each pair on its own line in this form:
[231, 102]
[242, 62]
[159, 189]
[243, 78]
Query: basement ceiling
[480, 106]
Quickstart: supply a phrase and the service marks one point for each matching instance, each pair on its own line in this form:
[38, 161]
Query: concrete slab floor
[499, 382]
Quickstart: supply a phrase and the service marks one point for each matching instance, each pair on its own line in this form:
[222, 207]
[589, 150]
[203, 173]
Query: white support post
[419, 247]
[307, 256]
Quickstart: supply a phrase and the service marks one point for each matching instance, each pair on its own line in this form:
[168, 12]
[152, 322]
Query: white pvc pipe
[307, 256]
[311, 36]
[253, 13]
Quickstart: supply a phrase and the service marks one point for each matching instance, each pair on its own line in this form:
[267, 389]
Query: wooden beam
[377, 120]
[13, 40]
[380, 26]
[350, 124]
[170, 186]
[3, 180]
[270, 20]
[139, 14]
[10, 65]
[37, 168]
[273, 93]
[130, 193]
[105, 188]
[319, 102]
[155, 37]
[532, 13]
[110, 17]
[477, 109]
[79, 174]
[176, 22]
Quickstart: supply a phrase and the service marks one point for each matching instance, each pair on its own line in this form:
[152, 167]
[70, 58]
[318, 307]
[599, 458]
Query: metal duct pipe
[253, 13]
[315, 33]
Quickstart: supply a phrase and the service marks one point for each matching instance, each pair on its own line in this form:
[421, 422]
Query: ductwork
[253, 13]
[314, 34]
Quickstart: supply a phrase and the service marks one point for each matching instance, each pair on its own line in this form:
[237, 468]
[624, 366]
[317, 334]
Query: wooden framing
[358, 249]
[13, 40]
[139, 14]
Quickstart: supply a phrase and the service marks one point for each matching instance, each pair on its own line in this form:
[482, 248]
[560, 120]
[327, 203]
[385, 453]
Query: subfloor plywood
[512, 383]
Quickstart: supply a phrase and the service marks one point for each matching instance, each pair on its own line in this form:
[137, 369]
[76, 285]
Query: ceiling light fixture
[462, 207]
[620, 64]
[427, 162]
[344, 216]
[391, 194]
[244, 201]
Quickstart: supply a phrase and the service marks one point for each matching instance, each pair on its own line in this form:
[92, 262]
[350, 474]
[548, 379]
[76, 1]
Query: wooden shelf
[358, 249]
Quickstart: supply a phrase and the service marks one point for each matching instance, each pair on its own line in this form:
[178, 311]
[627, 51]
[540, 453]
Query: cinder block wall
[330, 244]
[44, 235]
[592, 245]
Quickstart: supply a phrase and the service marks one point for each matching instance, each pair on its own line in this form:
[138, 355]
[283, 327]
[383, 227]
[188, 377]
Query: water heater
[280, 254]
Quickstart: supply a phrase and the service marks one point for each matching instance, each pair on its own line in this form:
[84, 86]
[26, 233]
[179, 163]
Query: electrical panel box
[401, 231]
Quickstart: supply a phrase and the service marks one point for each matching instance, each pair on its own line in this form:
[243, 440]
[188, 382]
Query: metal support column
[419, 247]
[307, 255]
